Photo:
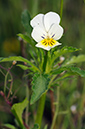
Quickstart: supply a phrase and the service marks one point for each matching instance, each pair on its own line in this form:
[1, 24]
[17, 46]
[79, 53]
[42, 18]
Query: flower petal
[38, 33]
[43, 46]
[37, 20]
[40, 45]
[51, 18]
[57, 44]
[56, 31]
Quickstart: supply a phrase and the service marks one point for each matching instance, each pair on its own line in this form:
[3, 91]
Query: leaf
[39, 86]
[75, 59]
[12, 58]
[36, 126]
[21, 59]
[59, 70]
[25, 37]
[78, 71]
[9, 126]
[63, 51]
[25, 19]
[66, 76]
[23, 67]
[17, 110]
[46, 126]
[73, 70]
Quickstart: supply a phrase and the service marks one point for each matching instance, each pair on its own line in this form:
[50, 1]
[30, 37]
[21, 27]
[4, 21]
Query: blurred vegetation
[72, 92]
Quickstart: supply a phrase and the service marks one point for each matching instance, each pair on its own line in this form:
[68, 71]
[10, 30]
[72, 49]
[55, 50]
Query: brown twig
[7, 101]
[26, 126]
[8, 70]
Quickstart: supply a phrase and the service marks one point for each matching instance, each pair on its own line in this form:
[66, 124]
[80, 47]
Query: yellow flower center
[48, 42]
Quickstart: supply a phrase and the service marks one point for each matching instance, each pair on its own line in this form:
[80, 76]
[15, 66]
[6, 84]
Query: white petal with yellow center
[47, 44]
[46, 30]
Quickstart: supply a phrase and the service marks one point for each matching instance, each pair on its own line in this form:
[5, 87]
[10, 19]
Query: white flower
[46, 30]
[73, 109]
[62, 59]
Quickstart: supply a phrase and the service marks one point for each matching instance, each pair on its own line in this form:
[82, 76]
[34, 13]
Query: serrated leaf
[63, 51]
[23, 67]
[75, 59]
[65, 76]
[21, 59]
[25, 19]
[39, 86]
[59, 70]
[78, 71]
[36, 126]
[73, 70]
[9, 126]
[17, 110]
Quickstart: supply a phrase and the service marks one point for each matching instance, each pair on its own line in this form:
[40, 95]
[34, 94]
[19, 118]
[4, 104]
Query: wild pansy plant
[47, 67]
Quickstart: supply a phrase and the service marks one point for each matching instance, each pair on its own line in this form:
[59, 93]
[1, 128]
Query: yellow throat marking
[48, 42]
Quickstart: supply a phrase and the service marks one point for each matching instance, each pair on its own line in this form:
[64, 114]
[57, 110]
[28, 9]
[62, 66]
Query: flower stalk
[40, 110]
[57, 108]
[43, 97]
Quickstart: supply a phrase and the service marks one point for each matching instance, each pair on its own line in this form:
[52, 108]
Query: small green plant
[47, 67]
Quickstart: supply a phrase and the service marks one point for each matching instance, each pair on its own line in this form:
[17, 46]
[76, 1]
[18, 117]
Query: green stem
[40, 110]
[61, 9]
[45, 61]
[63, 112]
[10, 90]
[5, 82]
[27, 108]
[51, 81]
[43, 97]
[57, 109]
[35, 4]
[2, 72]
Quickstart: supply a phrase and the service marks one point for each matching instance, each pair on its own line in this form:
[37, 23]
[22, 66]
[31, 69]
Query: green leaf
[63, 51]
[25, 37]
[73, 70]
[9, 126]
[12, 58]
[25, 19]
[65, 76]
[46, 126]
[39, 86]
[23, 67]
[17, 110]
[75, 59]
[36, 126]
[21, 59]
[77, 71]
[59, 70]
